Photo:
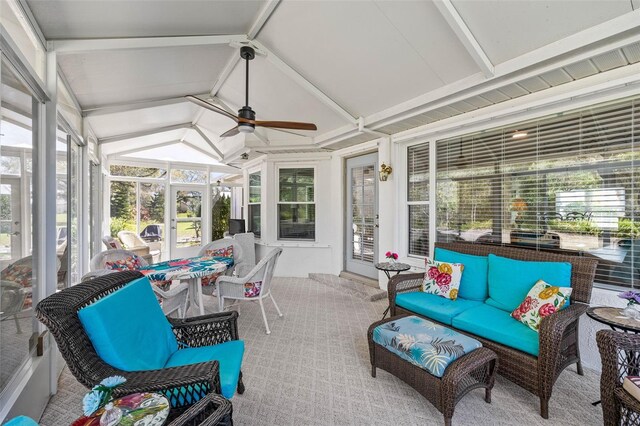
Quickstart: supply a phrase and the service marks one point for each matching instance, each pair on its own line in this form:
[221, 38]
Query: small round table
[139, 409]
[613, 318]
[387, 268]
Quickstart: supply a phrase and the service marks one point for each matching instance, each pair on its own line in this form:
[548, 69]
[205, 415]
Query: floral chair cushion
[221, 252]
[130, 263]
[252, 289]
[543, 299]
[442, 278]
[423, 343]
[19, 274]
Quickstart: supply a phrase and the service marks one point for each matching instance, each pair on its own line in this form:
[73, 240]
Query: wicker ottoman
[473, 370]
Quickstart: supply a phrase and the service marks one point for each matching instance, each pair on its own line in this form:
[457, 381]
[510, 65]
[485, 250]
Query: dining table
[191, 270]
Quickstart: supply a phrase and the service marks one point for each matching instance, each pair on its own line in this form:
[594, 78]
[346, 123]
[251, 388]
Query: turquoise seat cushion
[228, 354]
[433, 306]
[497, 325]
[128, 328]
[510, 280]
[21, 421]
[473, 285]
[423, 343]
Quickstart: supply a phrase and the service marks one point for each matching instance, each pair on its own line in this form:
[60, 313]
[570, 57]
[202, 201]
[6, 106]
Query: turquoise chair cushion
[423, 343]
[228, 354]
[510, 280]
[433, 306]
[473, 285]
[128, 328]
[497, 325]
[21, 421]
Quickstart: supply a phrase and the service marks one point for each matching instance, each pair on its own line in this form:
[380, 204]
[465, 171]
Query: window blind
[565, 183]
[418, 199]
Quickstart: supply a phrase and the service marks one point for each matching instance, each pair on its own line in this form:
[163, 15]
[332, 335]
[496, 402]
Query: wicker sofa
[557, 346]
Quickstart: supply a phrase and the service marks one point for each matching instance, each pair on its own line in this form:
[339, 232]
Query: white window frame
[428, 203]
[278, 202]
[258, 171]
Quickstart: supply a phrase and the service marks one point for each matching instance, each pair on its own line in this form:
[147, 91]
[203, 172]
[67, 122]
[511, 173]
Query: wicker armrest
[206, 330]
[174, 382]
[402, 283]
[209, 411]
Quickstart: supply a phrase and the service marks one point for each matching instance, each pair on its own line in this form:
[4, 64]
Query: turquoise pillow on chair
[128, 328]
[21, 421]
[510, 280]
[473, 285]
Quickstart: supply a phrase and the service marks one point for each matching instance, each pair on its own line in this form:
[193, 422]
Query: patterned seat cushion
[423, 343]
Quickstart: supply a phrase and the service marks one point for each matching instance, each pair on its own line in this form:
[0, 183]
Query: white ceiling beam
[200, 150]
[102, 44]
[262, 18]
[466, 37]
[208, 141]
[304, 83]
[133, 106]
[143, 148]
[141, 133]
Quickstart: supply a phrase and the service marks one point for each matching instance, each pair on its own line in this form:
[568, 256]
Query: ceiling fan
[246, 117]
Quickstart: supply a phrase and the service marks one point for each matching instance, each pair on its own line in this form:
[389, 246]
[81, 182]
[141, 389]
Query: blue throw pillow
[510, 280]
[473, 285]
[128, 328]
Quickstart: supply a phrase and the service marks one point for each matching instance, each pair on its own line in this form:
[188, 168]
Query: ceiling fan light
[245, 128]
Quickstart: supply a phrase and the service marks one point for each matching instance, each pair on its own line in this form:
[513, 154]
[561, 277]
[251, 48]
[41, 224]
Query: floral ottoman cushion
[423, 343]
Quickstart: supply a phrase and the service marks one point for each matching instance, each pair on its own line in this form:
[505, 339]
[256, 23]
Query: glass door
[186, 221]
[362, 215]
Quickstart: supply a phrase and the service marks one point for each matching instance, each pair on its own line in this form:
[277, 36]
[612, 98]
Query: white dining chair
[236, 288]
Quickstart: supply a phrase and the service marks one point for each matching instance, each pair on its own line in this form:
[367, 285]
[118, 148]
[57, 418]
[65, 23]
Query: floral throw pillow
[20, 274]
[221, 252]
[542, 300]
[252, 289]
[442, 278]
[128, 264]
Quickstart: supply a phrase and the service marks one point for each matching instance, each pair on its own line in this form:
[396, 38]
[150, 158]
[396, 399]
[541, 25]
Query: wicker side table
[474, 370]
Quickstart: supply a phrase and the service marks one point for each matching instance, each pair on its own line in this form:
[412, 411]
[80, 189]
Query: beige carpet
[314, 370]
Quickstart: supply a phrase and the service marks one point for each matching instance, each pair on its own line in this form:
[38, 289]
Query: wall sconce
[385, 171]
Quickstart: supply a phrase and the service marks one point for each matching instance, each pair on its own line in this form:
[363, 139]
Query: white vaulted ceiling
[388, 65]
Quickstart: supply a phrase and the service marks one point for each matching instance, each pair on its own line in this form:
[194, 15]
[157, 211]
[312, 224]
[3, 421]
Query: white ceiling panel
[632, 53]
[507, 29]
[354, 52]
[143, 141]
[581, 69]
[142, 119]
[103, 78]
[274, 96]
[178, 152]
[116, 18]
[610, 60]
[556, 77]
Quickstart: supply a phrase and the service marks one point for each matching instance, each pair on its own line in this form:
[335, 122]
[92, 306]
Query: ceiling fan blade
[287, 125]
[211, 107]
[230, 132]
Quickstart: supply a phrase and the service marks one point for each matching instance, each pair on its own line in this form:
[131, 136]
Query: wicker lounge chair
[620, 354]
[558, 332]
[187, 384]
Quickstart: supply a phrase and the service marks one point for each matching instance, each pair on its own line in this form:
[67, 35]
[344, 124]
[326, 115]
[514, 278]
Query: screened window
[564, 183]
[296, 204]
[418, 199]
[255, 198]
[133, 171]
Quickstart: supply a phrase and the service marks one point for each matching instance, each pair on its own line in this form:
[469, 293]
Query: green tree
[156, 207]
[122, 200]
[220, 217]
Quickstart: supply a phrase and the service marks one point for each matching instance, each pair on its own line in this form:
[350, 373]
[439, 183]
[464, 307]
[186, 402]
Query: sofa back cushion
[128, 328]
[473, 285]
[510, 280]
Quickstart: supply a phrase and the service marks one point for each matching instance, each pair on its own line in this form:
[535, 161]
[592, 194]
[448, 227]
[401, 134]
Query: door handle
[15, 233]
[173, 227]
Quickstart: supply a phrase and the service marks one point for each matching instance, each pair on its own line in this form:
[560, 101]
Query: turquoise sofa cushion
[21, 421]
[473, 285]
[128, 328]
[228, 354]
[497, 325]
[433, 306]
[423, 343]
[510, 280]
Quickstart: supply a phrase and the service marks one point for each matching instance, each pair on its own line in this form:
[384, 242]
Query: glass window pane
[220, 211]
[188, 176]
[254, 219]
[419, 230]
[296, 185]
[418, 167]
[254, 188]
[122, 207]
[151, 226]
[189, 233]
[297, 221]
[132, 171]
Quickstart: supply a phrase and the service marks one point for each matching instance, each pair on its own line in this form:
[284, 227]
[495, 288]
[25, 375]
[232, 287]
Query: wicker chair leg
[373, 371]
[487, 395]
[544, 407]
[447, 421]
[579, 368]
[240, 384]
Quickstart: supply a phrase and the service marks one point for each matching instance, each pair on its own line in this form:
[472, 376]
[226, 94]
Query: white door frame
[359, 266]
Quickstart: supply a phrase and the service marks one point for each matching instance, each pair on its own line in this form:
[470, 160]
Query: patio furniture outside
[613, 318]
[183, 384]
[620, 355]
[474, 370]
[133, 242]
[212, 410]
[558, 334]
[254, 286]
